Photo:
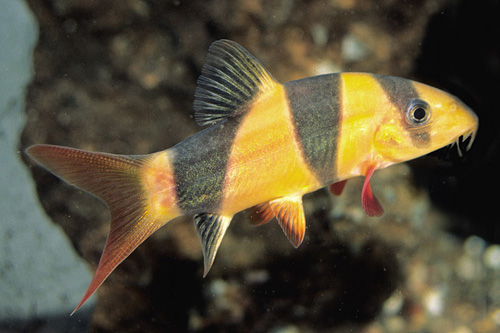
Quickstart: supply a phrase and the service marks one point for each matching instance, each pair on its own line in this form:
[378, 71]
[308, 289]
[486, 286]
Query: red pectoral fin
[370, 203]
[338, 187]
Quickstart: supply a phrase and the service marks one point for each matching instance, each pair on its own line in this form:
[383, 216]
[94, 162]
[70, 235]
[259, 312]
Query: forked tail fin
[116, 179]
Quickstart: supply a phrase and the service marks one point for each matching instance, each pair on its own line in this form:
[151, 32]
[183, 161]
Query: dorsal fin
[230, 79]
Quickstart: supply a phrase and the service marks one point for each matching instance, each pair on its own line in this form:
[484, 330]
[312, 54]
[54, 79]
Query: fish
[264, 145]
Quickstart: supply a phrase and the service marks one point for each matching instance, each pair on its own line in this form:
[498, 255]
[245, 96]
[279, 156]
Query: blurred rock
[39, 268]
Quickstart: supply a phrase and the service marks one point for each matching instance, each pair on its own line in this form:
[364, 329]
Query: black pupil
[419, 113]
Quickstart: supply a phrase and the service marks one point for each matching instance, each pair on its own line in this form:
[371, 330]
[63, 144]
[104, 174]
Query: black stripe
[315, 104]
[400, 92]
[200, 164]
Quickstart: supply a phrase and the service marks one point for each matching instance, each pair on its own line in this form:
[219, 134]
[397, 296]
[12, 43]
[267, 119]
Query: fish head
[432, 120]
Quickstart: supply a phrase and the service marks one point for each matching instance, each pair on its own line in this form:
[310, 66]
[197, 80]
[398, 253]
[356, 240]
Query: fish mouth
[464, 142]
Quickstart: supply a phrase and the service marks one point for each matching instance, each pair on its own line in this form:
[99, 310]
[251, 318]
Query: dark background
[119, 76]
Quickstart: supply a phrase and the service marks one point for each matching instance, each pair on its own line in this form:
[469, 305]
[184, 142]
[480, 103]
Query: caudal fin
[116, 179]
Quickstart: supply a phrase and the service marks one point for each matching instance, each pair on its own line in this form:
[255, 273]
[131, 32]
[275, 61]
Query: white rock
[353, 49]
[491, 257]
[40, 273]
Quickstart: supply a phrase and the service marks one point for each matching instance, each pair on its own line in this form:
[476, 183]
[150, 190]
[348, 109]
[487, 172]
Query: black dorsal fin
[230, 79]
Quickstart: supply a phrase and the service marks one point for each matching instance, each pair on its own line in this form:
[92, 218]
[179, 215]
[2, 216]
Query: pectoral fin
[370, 203]
[290, 214]
[211, 229]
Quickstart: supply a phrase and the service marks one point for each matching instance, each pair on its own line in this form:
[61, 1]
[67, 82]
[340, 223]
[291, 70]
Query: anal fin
[211, 229]
[290, 214]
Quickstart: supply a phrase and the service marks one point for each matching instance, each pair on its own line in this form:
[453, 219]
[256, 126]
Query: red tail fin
[116, 180]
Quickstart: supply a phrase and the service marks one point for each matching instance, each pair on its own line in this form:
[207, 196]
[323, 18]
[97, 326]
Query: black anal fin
[211, 229]
[230, 79]
[290, 214]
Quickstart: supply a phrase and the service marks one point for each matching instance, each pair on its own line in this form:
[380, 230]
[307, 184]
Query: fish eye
[418, 112]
